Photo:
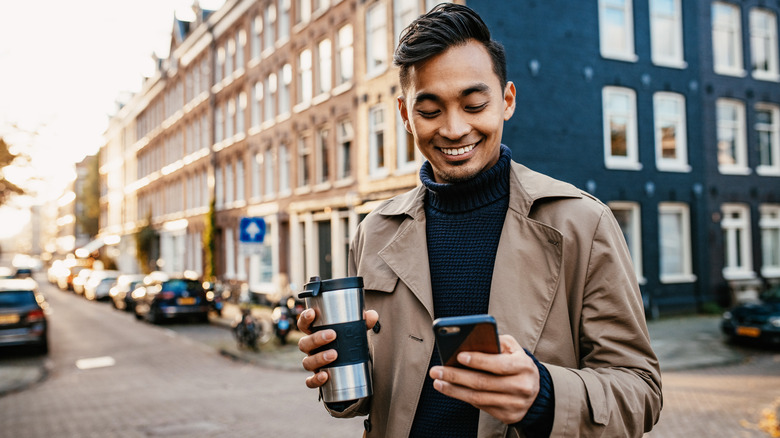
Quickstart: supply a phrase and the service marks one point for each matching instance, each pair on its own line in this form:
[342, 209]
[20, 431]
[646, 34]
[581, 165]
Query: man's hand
[312, 341]
[503, 385]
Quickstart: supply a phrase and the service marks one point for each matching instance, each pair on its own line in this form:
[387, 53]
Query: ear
[510, 100]
[404, 113]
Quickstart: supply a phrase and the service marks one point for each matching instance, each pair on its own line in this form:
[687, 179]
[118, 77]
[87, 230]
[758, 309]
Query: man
[484, 234]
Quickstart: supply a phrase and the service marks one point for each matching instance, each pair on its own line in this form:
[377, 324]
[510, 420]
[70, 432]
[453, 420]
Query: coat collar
[526, 187]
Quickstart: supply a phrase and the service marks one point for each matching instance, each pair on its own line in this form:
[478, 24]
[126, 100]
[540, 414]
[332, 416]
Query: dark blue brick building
[669, 112]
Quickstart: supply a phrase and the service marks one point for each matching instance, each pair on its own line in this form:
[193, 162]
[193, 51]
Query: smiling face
[455, 109]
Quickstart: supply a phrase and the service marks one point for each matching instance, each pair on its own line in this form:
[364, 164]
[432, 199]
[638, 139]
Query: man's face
[455, 109]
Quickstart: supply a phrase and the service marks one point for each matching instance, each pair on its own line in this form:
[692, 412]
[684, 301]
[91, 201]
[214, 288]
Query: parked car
[120, 293]
[99, 283]
[161, 298]
[65, 280]
[756, 321]
[22, 314]
[80, 280]
[56, 270]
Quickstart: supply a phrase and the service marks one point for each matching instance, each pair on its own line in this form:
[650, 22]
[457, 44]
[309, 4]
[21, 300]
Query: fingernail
[437, 373]
[329, 355]
[322, 377]
[437, 385]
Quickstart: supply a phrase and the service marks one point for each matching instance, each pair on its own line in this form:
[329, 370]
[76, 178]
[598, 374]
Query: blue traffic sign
[252, 230]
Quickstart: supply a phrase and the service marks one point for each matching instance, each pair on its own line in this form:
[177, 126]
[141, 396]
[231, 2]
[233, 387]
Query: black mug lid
[315, 286]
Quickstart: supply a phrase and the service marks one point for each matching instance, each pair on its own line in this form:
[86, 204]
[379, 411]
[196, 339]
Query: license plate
[752, 332]
[9, 319]
[186, 301]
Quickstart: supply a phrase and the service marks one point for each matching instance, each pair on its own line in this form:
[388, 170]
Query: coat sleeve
[616, 388]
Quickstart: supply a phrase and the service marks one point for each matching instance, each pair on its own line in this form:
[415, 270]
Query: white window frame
[257, 107]
[376, 39]
[305, 155]
[305, 77]
[665, 26]
[769, 224]
[727, 54]
[285, 164]
[283, 22]
[731, 128]
[323, 172]
[766, 39]
[375, 127]
[269, 190]
[678, 120]
[772, 130]
[737, 245]
[404, 12]
[285, 89]
[631, 160]
[240, 181]
[269, 101]
[269, 28]
[257, 174]
[634, 231]
[345, 133]
[682, 211]
[606, 40]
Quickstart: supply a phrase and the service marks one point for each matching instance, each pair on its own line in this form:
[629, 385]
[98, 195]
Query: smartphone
[465, 333]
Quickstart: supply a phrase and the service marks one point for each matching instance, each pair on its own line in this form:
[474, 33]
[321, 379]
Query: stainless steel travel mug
[338, 305]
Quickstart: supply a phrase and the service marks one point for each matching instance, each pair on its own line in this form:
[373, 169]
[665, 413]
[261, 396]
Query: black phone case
[465, 333]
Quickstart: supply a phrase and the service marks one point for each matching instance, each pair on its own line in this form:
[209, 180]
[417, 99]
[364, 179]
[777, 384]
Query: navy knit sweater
[463, 227]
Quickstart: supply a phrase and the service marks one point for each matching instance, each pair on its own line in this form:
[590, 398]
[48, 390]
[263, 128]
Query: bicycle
[250, 332]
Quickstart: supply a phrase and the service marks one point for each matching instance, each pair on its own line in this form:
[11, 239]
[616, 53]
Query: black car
[166, 298]
[22, 316]
[758, 321]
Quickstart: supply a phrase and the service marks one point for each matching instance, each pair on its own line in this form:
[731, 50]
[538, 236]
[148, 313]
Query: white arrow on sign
[253, 230]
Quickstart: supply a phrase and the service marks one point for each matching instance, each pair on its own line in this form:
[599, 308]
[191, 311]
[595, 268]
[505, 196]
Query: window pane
[671, 229]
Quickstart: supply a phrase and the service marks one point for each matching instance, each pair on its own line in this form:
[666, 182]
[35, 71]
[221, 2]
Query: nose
[455, 126]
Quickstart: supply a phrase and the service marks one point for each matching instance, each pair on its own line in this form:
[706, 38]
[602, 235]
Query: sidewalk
[680, 343]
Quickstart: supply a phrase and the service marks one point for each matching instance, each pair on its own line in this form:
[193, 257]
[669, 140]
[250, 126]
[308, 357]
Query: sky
[63, 64]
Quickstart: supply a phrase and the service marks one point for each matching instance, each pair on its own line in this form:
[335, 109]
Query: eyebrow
[481, 88]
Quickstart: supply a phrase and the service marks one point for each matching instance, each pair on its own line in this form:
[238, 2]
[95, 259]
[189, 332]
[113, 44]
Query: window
[269, 29]
[628, 217]
[241, 114]
[284, 19]
[666, 33]
[284, 168]
[240, 182]
[768, 137]
[255, 40]
[770, 240]
[324, 76]
[231, 118]
[620, 129]
[256, 169]
[727, 39]
[268, 171]
[230, 54]
[284, 90]
[304, 161]
[616, 29]
[405, 147]
[269, 102]
[323, 167]
[376, 140]
[732, 152]
[303, 11]
[344, 151]
[405, 11]
[429, 4]
[376, 39]
[344, 65]
[229, 184]
[674, 231]
[736, 241]
[257, 97]
[671, 151]
[220, 64]
[763, 44]
[219, 124]
[305, 76]
[240, 45]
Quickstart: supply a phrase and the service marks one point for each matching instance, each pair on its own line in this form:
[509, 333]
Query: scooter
[246, 329]
[283, 321]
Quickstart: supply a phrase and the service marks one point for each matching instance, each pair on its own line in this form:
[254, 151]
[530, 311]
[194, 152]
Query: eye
[428, 114]
[476, 108]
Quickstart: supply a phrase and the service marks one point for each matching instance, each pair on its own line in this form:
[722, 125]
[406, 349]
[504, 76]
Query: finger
[316, 340]
[305, 320]
[316, 380]
[505, 407]
[509, 344]
[316, 361]
[371, 318]
[472, 379]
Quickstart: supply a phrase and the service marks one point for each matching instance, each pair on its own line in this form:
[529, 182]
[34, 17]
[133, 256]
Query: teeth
[458, 151]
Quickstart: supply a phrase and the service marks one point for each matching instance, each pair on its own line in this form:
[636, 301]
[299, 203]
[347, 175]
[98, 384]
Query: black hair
[445, 26]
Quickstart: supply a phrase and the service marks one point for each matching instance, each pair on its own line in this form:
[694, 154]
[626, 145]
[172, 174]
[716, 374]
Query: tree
[89, 197]
[209, 243]
[7, 188]
[146, 241]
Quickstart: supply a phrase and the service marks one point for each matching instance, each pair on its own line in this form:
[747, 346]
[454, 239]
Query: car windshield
[9, 299]
[772, 295]
[182, 285]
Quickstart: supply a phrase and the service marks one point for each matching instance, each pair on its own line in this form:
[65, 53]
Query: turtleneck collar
[483, 189]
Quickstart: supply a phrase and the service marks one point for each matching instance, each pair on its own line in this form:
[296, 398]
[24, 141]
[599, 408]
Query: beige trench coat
[563, 286]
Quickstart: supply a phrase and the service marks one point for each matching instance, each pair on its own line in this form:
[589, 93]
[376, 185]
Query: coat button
[377, 327]
[367, 425]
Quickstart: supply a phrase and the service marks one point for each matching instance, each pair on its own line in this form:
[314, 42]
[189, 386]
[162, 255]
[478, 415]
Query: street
[139, 380]
[112, 376]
